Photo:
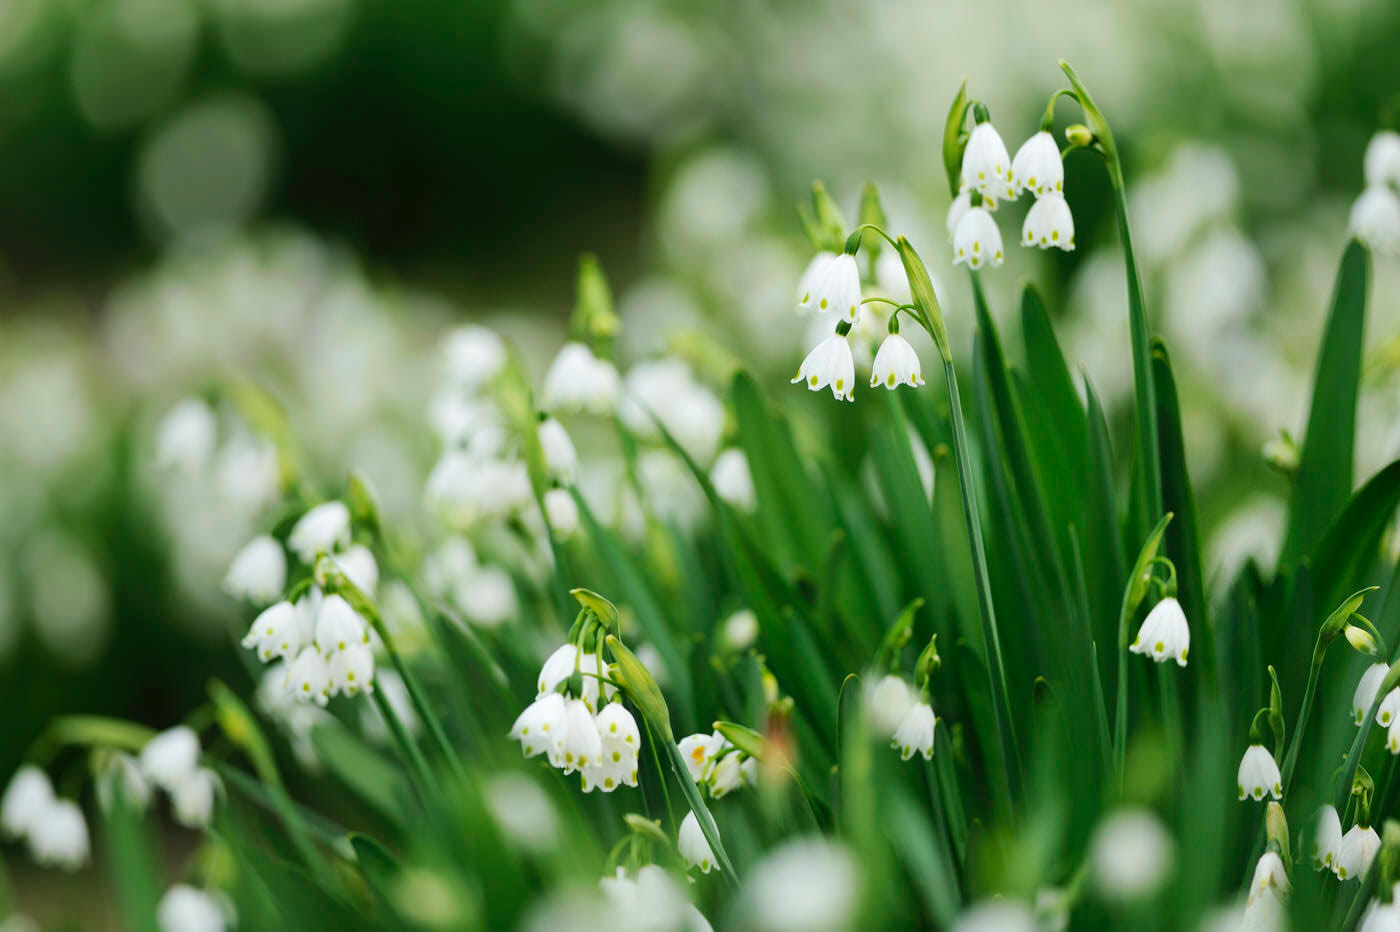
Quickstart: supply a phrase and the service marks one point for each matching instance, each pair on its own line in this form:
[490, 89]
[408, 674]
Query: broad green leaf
[1351, 543]
[1323, 482]
[133, 865]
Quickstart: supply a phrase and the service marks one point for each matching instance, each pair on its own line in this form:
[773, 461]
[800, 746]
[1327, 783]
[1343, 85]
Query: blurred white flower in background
[524, 812]
[806, 884]
[1131, 855]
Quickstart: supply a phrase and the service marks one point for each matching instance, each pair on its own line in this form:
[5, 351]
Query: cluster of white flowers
[170, 760]
[650, 899]
[666, 390]
[988, 172]
[1375, 215]
[53, 828]
[562, 724]
[188, 909]
[483, 593]
[898, 711]
[578, 380]
[1164, 634]
[716, 764]
[1348, 856]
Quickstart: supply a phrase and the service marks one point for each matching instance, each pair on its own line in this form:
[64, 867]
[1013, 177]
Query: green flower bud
[1079, 135]
[641, 688]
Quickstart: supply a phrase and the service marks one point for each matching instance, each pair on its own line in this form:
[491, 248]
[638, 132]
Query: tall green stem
[1290, 760]
[1120, 711]
[996, 671]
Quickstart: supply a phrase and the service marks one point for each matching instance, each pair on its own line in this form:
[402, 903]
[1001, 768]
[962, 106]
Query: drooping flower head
[1366, 689]
[830, 364]
[1356, 852]
[1049, 224]
[1327, 838]
[1037, 166]
[1164, 634]
[986, 166]
[977, 241]
[896, 364]
[836, 286]
[915, 731]
[258, 572]
[1258, 775]
[692, 845]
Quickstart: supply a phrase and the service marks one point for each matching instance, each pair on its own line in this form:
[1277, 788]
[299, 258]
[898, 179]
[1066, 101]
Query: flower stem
[996, 672]
[413, 757]
[1120, 711]
[702, 814]
[1290, 759]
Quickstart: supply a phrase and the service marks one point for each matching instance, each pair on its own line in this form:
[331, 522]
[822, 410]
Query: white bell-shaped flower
[621, 742]
[807, 283]
[26, 796]
[1366, 689]
[562, 511]
[1389, 709]
[557, 668]
[1327, 838]
[1049, 224]
[338, 626]
[915, 731]
[1375, 219]
[359, 566]
[957, 210]
[472, 355]
[1258, 775]
[352, 670]
[577, 380]
[886, 701]
[276, 632]
[591, 669]
[699, 752]
[896, 364]
[259, 571]
[732, 479]
[836, 287]
[170, 756]
[309, 677]
[727, 775]
[185, 436]
[1131, 855]
[487, 597]
[1164, 634]
[122, 776]
[186, 909]
[543, 727]
[1037, 166]
[1264, 913]
[323, 529]
[740, 629]
[1356, 852]
[830, 364]
[810, 883]
[58, 836]
[1270, 877]
[692, 845]
[1381, 165]
[1392, 737]
[986, 165]
[977, 241]
[583, 746]
[192, 798]
[560, 457]
[1381, 917]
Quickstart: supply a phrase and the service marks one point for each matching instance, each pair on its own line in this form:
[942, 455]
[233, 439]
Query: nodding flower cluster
[566, 724]
[53, 828]
[323, 646]
[716, 764]
[1375, 215]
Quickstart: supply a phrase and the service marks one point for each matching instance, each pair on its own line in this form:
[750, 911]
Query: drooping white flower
[986, 166]
[1131, 854]
[806, 285]
[58, 836]
[558, 667]
[323, 529]
[915, 731]
[562, 511]
[185, 436]
[248, 472]
[468, 488]
[740, 629]
[1357, 850]
[1392, 737]
[583, 746]
[192, 797]
[830, 364]
[997, 915]
[276, 632]
[1270, 877]
[122, 775]
[1381, 917]
[1389, 708]
[693, 847]
[472, 356]
[170, 756]
[1049, 223]
[726, 775]
[351, 670]
[665, 392]
[732, 479]
[621, 742]
[543, 727]
[487, 596]
[1327, 838]
[560, 457]
[957, 210]
[523, 811]
[1381, 164]
[1037, 166]
[448, 565]
[338, 626]
[1164, 634]
[26, 796]
[699, 751]
[359, 566]
[1258, 775]
[896, 364]
[806, 885]
[578, 380]
[186, 909]
[836, 287]
[1375, 219]
[1264, 913]
[977, 241]
[1366, 689]
[886, 702]
[650, 901]
[309, 677]
[259, 571]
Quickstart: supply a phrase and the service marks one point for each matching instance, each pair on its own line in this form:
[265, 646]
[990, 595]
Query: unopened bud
[1360, 639]
[1281, 453]
[1079, 136]
[1276, 825]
